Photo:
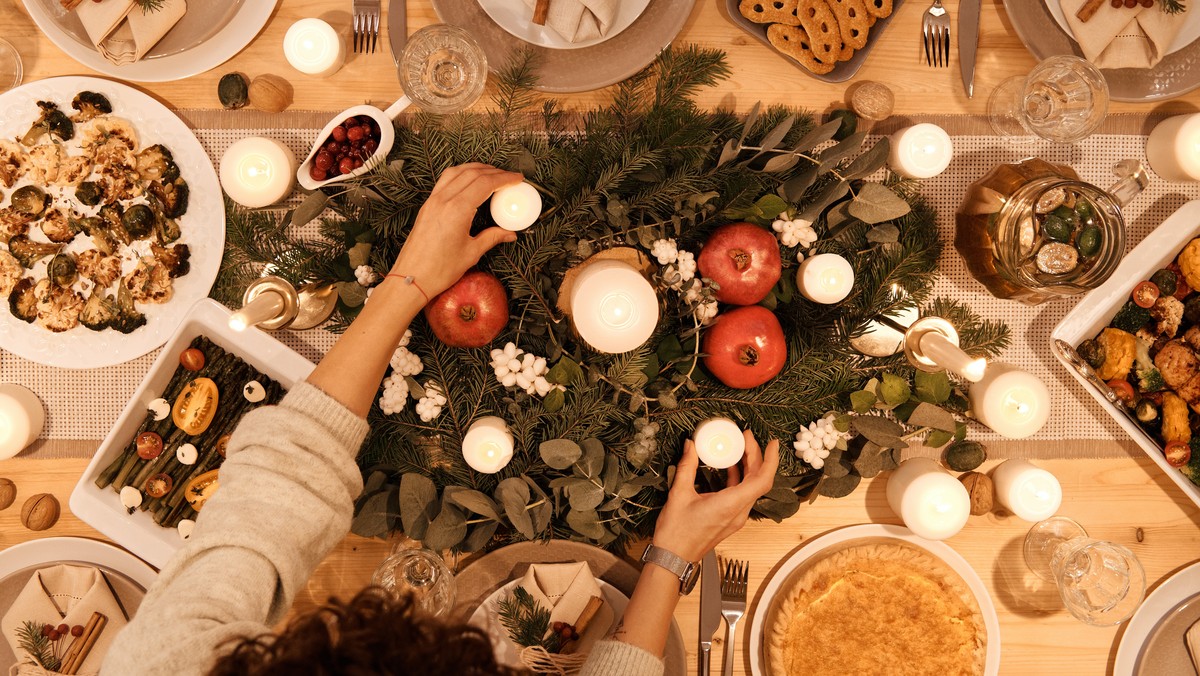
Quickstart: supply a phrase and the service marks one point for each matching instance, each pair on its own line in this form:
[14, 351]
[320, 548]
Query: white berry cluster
[680, 266]
[814, 442]
[430, 405]
[395, 387]
[644, 443]
[665, 250]
[705, 309]
[794, 231]
[517, 368]
[365, 275]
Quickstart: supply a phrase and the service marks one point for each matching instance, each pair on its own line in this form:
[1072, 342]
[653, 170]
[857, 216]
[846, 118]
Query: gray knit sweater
[286, 499]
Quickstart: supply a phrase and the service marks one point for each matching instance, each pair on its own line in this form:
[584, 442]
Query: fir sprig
[33, 641]
[527, 621]
[1172, 6]
[150, 5]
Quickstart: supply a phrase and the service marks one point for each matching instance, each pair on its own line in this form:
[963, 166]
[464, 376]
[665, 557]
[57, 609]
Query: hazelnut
[270, 93]
[40, 512]
[980, 488]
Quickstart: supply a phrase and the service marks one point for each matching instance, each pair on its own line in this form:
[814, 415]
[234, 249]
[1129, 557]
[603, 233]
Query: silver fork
[935, 33]
[366, 25]
[733, 603]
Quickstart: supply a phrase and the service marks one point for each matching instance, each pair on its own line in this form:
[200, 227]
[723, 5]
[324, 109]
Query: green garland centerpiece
[597, 434]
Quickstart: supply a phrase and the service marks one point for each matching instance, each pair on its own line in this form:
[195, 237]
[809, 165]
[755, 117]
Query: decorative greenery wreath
[594, 459]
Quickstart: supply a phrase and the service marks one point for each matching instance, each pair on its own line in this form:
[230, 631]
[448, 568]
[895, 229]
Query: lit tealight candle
[488, 445]
[313, 47]
[516, 207]
[613, 306]
[21, 419]
[1010, 401]
[825, 278]
[931, 502]
[719, 443]
[257, 172]
[1173, 148]
[1028, 491]
[921, 151]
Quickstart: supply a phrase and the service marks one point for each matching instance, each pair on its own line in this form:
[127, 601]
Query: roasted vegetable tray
[1097, 310]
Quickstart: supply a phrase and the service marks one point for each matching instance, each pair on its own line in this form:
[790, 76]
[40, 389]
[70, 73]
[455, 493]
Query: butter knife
[397, 27]
[968, 41]
[710, 608]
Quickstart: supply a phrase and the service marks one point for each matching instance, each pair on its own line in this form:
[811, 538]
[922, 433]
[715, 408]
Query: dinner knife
[398, 27]
[710, 608]
[968, 41]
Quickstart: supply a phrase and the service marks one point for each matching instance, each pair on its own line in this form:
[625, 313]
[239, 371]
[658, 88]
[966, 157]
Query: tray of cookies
[827, 39]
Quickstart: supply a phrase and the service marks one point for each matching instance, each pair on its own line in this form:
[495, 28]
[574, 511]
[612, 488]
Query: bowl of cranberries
[349, 146]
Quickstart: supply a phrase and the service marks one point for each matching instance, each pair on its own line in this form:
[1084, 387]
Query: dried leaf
[560, 453]
[928, 415]
[876, 203]
[472, 501]
[418, 503]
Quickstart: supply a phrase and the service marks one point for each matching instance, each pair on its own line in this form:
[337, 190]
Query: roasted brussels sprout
[22, 302]
[233, 90]
[157, 164]
[128, 318]
[1146, 411]
[166, 230]
[112, 217]
[172, 197]
[1166, 281]
[93, 226]
[100, 311]
[138, 221]
[89, 193]
[30, 252]
[1092, 352]
[31, 201]
[89, 105]
[52, 121]
[62, 270]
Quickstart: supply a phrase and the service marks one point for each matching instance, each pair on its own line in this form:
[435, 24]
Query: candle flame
[617, 310]
[975, 370]
[237, 322]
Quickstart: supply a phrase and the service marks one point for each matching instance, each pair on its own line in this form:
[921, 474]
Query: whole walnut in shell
[40, 512]
[8, 493]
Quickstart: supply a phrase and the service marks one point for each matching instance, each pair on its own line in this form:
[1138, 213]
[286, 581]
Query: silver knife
[397, 27]
[710, 608]
[968, 41]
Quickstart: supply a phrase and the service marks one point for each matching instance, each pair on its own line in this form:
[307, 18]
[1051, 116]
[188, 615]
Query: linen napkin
[66, 594]
[565, 589]
[1117, 37]
[122, 32]
[580, 20]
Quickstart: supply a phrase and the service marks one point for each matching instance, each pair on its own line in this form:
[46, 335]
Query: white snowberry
[365, 275]
[665, 251]
[516, 368]
[404, 340]
[430, 406]
[395, 394]
[794, 232]
[706, 311]
[406, 363]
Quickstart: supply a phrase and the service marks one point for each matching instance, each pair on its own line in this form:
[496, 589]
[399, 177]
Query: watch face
[688, 583]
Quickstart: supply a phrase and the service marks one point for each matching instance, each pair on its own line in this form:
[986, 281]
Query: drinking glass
[443, 70]
[1101, 583]
[10, 66]
[1063, 99]
[419, 572]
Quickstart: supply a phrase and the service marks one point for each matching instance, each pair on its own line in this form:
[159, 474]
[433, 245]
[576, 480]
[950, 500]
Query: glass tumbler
[1101, 583]
[443, 70]
[1063, 99]
[11, 70]
[419, 572]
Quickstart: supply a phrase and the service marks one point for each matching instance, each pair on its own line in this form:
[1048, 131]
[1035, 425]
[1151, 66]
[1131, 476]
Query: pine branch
[39, 646]
[526, 621]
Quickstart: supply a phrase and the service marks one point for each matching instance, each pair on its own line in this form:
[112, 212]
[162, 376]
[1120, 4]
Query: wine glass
[1101, 583]
[419, 572]
[10, 66]
[1063, 99]
[443, 70]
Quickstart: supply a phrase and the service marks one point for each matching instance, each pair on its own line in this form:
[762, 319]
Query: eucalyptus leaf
[904, 410]
[418, 503]
[554, 401]
[794, 188]
[932, 387]
[928, 415]
[593, 457]
[584, 495]
[938, 438]
[748, 125]
[837, 468]
[839, 487]
[447, 529]
[637, 455]
[372, 518]
[360, 254]
[862, 401]
[880, 430]
[776, 506]
[869, 162]
[776, 135]
[611, 476]
[876, 203]
[585, 523]
[883, 234]
[312, 206]
[479, 536]
[829, 194]
[869, 462]
[841, 151]
[352, 294]
[729, 152]
[817, 136]
[374, 482]
[560, 453]
[513, 494]
[780, 163]
[362, 196]
[894, 390]
[472, 501]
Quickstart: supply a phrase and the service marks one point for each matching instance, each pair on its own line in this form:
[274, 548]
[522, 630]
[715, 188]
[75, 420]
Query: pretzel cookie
[880, 9]
[824, 36]
[852, 21]
[793, 41]
[770, 11]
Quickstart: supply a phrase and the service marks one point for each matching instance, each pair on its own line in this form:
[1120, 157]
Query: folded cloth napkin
[122, 32]
[565, 589]
[1117, 37]
[580, 20]
[66, 594]
[1193, 645]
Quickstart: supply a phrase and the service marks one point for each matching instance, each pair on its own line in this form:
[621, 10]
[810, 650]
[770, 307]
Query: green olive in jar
[1089, 241]
[1057, 229]
[1084, 210]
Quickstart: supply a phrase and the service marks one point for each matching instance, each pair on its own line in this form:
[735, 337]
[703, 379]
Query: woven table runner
[82, 405]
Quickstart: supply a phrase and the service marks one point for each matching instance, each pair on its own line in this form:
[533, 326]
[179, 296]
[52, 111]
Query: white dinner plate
[873, 531]
[485, 617]
[1187, 34]
[516, 17]
[50, 551]
[203, 227]
[1162, 603]
[209, 34]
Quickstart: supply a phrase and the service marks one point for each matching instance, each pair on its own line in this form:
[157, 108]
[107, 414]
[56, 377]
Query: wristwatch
[687, 571]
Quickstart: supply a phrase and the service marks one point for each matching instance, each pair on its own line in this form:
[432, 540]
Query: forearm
[647, 618]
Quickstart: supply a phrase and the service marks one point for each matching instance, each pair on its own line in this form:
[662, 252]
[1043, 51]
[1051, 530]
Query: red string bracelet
[409, 279]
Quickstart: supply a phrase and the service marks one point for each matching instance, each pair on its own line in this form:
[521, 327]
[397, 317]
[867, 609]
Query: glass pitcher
[1033, 231]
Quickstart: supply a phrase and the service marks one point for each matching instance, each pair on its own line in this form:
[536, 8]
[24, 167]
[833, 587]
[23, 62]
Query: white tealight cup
[931, 502]
[488, 445]
[1014, 403]
[719, 443]
[1173, 148]
[1028, 491]
[921, 151]
[313, 47]
[21, 419]
[257, 172]
[825, 278]
[613, 306]
[516, 207]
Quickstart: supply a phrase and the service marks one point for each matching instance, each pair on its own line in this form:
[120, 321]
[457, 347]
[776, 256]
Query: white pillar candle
[257, 172]
[921, 151]
[1173, 148]
[1010, 401]
[1028, 491]
[719, 443]
[931, 502]
[946, 354]
[516, 207]
[21, 419]
[313, 47]
[488, 445]
[613, 306]
[825, 278]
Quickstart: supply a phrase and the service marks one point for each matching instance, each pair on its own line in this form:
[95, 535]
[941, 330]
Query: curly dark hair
[375, 633]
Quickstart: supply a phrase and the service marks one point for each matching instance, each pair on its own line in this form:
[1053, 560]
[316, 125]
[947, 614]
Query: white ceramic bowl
[101, 507]
[1096, 310]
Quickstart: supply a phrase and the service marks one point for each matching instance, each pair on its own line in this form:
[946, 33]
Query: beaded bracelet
[410, 280]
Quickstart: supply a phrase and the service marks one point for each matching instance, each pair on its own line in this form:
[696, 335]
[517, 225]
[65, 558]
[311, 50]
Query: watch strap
[686, 571]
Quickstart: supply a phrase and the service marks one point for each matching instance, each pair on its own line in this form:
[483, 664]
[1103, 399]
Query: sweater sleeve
[285, 501]
[616, 657]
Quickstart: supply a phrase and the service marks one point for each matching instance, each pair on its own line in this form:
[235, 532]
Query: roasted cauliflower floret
[100, 310]
[1177, 363]
[72, 169]
[11, 271]
[102, 270]
[59, 226]
[44, 161]
[14, 162]
[58, 307]
[150, 281]
[157, 164]
[13, 223]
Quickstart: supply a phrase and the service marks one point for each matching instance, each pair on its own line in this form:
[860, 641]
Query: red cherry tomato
[159, 485]
[1145, 293]
[191, 359]
[1178, 453]
[149, 445]
[1181, 286]
[1123, 390]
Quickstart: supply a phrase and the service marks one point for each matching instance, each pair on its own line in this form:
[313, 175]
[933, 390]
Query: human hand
[440, 249]
[692, 523]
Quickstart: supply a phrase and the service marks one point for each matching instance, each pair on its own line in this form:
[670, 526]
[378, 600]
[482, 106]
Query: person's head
[375, 633]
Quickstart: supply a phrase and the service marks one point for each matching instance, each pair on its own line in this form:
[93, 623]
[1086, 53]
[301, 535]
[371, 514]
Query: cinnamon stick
[541, 11]
[82, 646]
[1089, 9]
[585, 618]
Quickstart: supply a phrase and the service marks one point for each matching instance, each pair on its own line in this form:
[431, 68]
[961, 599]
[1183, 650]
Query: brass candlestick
[272, 303]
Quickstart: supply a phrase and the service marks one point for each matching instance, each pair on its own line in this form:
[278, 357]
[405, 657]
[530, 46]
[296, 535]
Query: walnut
[270, 93]
[40, 512]
[979, 486]
[873, 101]
[8, 493]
